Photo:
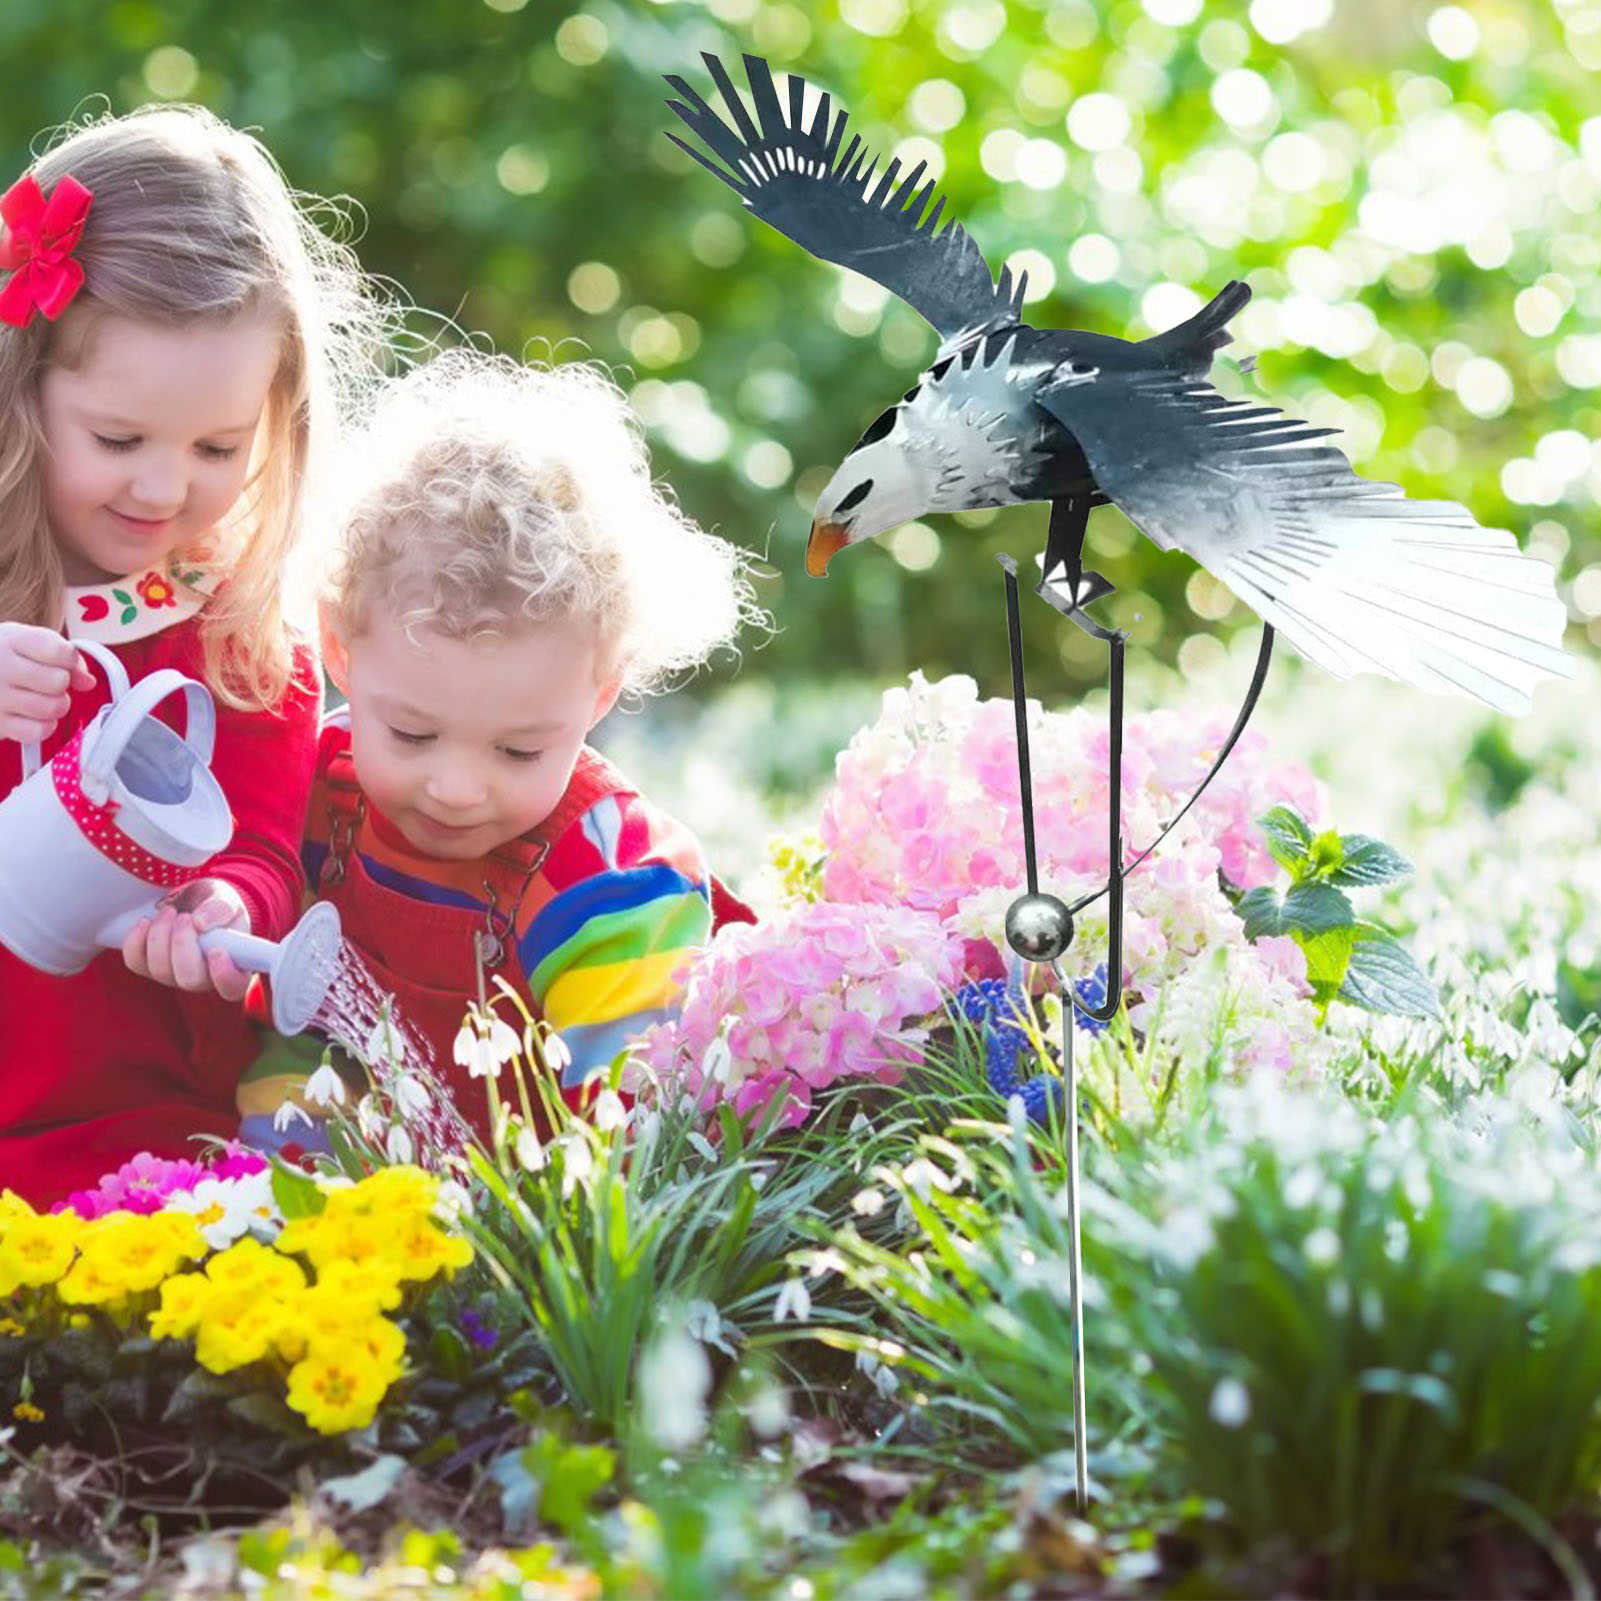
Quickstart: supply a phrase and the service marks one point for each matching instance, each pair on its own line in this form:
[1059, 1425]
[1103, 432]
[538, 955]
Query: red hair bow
[36, 248]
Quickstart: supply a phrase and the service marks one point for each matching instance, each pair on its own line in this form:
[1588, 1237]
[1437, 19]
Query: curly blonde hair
[193, 221]
[487, 493]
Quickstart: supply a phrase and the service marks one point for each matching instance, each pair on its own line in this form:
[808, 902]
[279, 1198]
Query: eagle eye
[879, 429]
[855, 497]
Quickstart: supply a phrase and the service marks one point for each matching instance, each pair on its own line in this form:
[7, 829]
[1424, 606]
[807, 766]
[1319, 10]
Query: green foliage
[594, 1236]
[514, 170]
[1357, 1329]
[1345, 959]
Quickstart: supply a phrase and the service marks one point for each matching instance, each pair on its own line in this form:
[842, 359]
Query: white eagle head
[879, 485]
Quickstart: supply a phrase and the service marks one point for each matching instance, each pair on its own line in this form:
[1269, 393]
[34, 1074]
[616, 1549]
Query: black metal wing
[1356, 576]
[795, 178]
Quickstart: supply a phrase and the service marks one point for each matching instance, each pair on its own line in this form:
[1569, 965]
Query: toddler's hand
[37, 668]
[167, 946]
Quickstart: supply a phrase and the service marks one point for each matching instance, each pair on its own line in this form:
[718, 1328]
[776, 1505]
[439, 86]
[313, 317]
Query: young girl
[176, 340]
[507, 569]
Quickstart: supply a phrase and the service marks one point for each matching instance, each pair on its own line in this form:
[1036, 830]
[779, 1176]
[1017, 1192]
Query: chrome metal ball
[1039, 927]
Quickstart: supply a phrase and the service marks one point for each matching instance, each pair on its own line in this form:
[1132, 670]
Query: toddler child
[175, 339]
[506, 570]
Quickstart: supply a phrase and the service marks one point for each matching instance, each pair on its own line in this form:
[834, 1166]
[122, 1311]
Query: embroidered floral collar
[138, 605]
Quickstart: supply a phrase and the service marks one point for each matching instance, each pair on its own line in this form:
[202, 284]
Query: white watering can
[125, 808]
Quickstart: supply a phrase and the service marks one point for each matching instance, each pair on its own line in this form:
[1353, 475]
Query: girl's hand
[167, 946]
[37, 668]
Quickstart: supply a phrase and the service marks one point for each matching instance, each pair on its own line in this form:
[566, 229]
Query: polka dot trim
[98, 824]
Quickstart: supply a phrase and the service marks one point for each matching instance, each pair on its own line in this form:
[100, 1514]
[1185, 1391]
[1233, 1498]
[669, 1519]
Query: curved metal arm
[1258, 678]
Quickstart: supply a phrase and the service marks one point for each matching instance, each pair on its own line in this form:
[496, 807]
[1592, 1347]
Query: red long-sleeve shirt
[99, 1066]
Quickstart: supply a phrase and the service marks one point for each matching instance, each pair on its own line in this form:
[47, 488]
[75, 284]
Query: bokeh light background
[1413, 192]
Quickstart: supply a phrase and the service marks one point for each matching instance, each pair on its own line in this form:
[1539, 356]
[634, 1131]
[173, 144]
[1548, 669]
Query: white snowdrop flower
[785, 1515]
[922, 1175]
[821, 1263]
[411, 1096]
[1322, 1247]
[794, 1301]
[674, 1379]
[578, 1162]
[768, 1411]
[398, 1147]
[557, 1056]
[288, 1115]
[504, 1041]
[384, 1043]
[860, 1124]
[484, 1045]
[703, 1322]
[885, 1380]
[702, 1146]
[717, 1061]
[325, 1087]
[529, 1152]
[868, 1202]
[369, 1118]
[452, 1202]
[609, 1113]
[1231, 1403]
[1301, 1186]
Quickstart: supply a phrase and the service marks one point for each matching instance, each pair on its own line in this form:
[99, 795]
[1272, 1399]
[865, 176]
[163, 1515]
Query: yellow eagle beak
[825, 540]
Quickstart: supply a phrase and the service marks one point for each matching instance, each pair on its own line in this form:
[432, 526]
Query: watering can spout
[301, 967]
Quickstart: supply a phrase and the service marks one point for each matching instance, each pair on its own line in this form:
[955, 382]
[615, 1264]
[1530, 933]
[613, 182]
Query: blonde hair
[486, 494]
[193, 221]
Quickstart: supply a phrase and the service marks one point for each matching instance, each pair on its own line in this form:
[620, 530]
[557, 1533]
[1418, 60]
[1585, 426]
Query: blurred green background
[1412, 190]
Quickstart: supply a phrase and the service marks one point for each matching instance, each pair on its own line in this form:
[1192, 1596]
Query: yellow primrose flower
[323, 1312]
[92, 1281]
[27, 1412]
[335, 1389]
[338, 1238]
[236, 1325]
[12, 1206]
[374, 1283]
[37, 1250]
[183, 1303]
[11, 1328]
[139, 1252]
[389, 1193]
[252, 1265]
[422, 1250]
[383, 1344]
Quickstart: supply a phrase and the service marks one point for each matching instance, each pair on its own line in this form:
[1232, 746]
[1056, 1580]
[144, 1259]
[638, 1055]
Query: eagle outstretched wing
[1356, 576]
[795, 178]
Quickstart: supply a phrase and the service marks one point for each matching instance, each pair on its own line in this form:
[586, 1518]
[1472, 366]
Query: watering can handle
[116, 677]
[100, 758]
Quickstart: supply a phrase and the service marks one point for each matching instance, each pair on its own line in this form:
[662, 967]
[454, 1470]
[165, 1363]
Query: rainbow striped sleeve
[629, 904]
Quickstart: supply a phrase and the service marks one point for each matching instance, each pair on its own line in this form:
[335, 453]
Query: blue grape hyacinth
[995, 1006]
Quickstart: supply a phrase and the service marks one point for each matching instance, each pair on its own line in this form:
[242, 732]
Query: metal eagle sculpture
[1355, 575]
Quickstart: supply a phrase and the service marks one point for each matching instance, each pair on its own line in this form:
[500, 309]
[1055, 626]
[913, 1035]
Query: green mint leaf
[1325, 855]
[1384, 977]
[1369, 861]
[1314, 908]
[1261, 912]
[296, 1193]
[1288, 837]
[1327, 957]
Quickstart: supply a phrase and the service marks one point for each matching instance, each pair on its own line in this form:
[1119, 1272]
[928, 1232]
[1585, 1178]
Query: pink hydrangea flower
[819, 992]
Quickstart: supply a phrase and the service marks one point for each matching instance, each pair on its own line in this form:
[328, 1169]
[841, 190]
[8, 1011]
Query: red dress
[102, 1065]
